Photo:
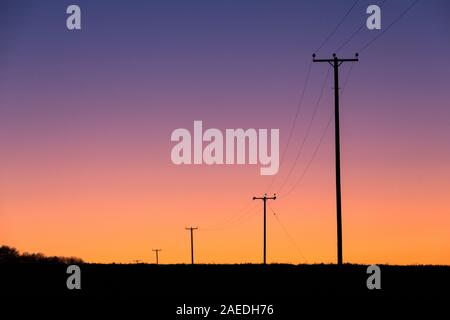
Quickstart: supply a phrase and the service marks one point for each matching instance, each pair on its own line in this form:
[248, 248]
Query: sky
[86, 118]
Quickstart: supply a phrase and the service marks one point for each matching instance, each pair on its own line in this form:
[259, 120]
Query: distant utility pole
[264, 199]
[335, 63]
[156, 251]
[192, 242]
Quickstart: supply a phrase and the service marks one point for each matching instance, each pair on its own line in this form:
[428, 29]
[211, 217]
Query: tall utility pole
[192, 242]
[156, 251]
[335, 63]
[264, 199]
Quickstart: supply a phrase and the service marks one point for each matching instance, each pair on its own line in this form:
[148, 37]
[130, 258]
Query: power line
[347, 77]
[294, 122]
[319, 143]
[343, 44]
[294, 243]
[351, 37]
[337, 26]
[303, 93]
[233, 221]
[389, 26]
[307, 133]
[283, 196]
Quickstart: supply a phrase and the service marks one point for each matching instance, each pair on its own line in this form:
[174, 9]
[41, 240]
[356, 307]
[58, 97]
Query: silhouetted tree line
[12, 255]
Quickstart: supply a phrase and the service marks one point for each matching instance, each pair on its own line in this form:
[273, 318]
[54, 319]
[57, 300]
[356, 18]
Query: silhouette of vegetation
[12, 255]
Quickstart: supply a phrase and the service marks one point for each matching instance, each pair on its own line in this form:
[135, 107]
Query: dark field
[130, 291]
[256, 281]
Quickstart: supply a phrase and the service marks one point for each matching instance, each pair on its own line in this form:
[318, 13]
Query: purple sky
[137, 70]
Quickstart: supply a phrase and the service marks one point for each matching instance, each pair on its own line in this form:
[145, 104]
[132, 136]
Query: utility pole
[156, 251]
[335, 63]
[264, 199]
[192, 242]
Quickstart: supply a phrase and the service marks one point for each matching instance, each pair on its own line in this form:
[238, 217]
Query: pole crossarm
[332, 60]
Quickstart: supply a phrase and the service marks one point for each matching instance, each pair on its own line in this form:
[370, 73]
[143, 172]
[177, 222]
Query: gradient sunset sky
[86, 118]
